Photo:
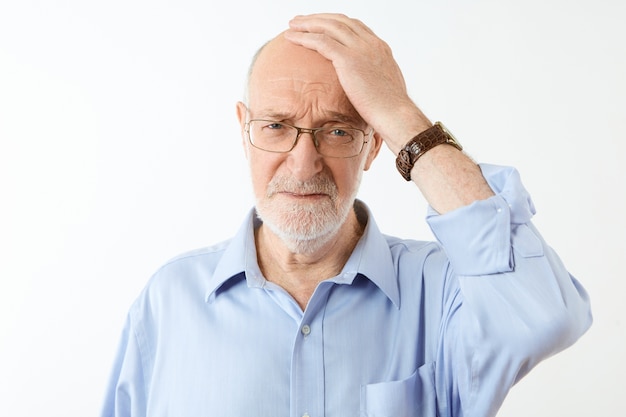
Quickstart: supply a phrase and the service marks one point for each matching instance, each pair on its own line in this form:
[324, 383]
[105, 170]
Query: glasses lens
[336, 142]
[339, 142]
[272, 136]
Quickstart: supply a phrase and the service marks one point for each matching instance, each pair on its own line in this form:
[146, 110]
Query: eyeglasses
[332, 141]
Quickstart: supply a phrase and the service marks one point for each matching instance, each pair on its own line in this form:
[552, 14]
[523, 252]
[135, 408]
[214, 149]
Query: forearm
[447, 177]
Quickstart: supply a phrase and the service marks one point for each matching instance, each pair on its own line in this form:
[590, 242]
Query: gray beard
[305, 227]
[305, 236]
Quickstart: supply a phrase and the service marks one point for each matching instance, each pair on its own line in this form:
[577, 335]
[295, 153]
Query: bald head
[281, 68]
[277, 50]
[250, 69]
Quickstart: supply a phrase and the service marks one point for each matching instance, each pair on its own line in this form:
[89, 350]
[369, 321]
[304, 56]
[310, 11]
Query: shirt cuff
[477, 237]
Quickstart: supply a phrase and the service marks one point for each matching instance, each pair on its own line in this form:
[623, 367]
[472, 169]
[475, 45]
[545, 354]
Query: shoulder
[410, 245]
[426, 259]
[205, 257]
[415, 250]
[184, 278]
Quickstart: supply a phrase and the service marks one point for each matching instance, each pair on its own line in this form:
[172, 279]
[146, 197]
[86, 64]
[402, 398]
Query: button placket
[308, 358]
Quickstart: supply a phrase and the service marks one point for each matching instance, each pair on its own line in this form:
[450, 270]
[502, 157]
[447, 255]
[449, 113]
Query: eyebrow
[351, 120]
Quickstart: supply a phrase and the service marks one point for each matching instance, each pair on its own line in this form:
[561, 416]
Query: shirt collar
[239, 255]
[370, 258]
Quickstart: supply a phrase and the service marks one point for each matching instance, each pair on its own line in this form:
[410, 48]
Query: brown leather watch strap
[420, 144]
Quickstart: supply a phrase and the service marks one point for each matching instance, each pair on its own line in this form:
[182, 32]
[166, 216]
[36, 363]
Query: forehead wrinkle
[294, 96]
[305, 92]
[322, 117]
[276, 108]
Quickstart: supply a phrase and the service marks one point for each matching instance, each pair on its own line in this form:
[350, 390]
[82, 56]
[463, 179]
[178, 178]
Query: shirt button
[306, 414]
[306, 329]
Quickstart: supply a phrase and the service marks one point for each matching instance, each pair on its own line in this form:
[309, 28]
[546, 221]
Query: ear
[374, 148]
[242, 112]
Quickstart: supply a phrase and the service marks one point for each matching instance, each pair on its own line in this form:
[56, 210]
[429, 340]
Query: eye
[274, 126]
[338, 132]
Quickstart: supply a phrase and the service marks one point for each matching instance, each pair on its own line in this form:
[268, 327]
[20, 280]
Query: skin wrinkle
[310, 107]
[329, 117]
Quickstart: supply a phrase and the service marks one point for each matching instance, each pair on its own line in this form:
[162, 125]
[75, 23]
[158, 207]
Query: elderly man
[309, 310]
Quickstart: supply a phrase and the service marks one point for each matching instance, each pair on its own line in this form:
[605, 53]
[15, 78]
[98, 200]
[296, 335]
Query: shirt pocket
[411, 397]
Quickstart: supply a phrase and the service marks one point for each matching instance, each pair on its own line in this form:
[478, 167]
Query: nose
[304, 161]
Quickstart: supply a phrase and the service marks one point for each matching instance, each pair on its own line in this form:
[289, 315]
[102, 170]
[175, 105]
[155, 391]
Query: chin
[305, 247]
[303, 228]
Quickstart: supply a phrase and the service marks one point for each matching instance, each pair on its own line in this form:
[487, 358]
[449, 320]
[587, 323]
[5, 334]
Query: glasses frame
[313, 131]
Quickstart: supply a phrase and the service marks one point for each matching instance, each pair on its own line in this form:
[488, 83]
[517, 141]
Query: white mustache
[321, 184]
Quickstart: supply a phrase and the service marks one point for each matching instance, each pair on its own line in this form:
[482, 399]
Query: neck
[299, 272]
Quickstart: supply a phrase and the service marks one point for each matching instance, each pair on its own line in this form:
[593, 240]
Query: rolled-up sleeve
[517, 303]
[477, 237]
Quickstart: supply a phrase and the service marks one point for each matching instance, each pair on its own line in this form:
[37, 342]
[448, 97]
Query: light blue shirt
[407, 328]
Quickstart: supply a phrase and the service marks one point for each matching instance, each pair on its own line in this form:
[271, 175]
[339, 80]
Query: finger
[326, 46]
[355, 24]
[333, 36]
[341, 28]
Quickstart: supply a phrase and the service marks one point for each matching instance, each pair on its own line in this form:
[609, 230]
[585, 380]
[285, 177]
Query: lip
[313, 196]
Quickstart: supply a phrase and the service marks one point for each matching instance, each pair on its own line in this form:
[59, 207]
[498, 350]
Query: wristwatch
[422, 143]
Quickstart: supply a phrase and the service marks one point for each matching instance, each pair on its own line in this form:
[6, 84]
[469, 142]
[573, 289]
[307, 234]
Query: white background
[119, 149]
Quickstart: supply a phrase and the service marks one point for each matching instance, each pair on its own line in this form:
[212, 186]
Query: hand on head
[365, 67]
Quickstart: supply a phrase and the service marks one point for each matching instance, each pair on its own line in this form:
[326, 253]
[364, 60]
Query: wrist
[422, 143]
[407, 123]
